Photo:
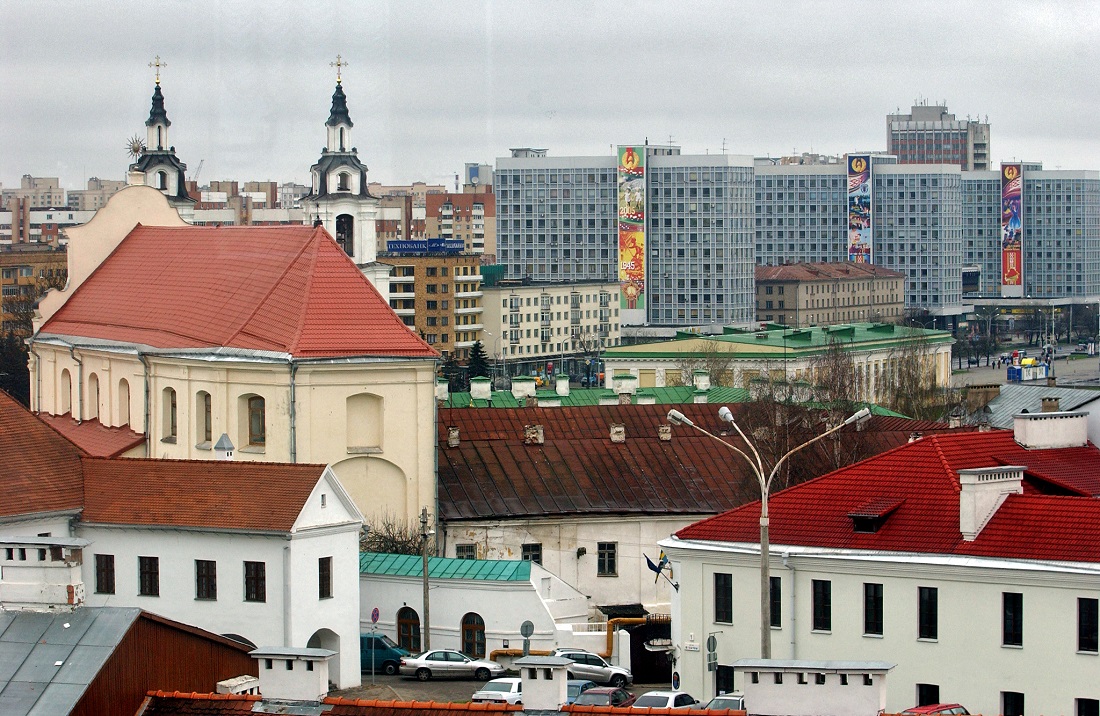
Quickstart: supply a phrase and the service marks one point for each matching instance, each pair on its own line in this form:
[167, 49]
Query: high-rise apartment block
[558, 219]
[470, 217]
[929, 134]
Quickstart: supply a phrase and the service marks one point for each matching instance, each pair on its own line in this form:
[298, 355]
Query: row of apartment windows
[1012, 612]
[206, 578]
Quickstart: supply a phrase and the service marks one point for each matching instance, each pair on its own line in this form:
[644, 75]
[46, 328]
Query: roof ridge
[292, 346]
[943, 461]
[262, 303]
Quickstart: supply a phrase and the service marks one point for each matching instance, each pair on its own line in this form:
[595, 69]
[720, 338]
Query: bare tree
[711, 357]
[912, 388]
[19, 308]
[391, 534]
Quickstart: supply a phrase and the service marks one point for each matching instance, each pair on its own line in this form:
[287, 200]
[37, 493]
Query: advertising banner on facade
[632, 197]
[426, 246]
[859, 209]
[1012, 226]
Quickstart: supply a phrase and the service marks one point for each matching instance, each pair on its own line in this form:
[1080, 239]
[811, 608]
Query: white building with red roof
[265, 553]
[270, 335]
[969, 560]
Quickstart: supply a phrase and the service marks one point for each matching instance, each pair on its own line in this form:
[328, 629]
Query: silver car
[448, 663]
[587, 665]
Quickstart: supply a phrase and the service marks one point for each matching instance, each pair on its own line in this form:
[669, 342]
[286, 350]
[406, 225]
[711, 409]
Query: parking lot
[400, 688]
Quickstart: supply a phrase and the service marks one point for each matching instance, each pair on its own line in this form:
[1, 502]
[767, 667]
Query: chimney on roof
[646, 397]
[915, 436]
[522, 387]
[481, 388]
[41, 574]
[624, 398]
[699, 396]
[533, 435]
[618, 432]
[1052, 381]
[1050, 405]
[561, 384]
[442, 389]
[1044, 431]
[664, 432]
[223, 450]
[452, 436]
[981, 493]
[609, 400]
[701, 379]
[625, 383]
[293, 674]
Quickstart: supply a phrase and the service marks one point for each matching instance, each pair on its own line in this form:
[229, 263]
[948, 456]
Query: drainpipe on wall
[37, 380]
[794, 612]
[148, 429]
[286, 594]
[293, 413]
[80, 384]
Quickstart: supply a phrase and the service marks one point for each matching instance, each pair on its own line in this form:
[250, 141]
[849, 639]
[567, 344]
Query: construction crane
[198, 170]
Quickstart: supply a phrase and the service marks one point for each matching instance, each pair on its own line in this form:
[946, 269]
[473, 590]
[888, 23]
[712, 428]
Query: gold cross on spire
[158, 64]
[338, 65]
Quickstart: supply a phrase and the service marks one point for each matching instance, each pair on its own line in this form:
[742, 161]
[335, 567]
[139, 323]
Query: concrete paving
[1077, 370]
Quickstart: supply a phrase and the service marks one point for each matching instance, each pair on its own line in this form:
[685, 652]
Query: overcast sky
[431, 86]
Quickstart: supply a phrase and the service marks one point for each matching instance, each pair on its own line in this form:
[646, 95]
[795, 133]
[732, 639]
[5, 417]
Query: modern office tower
[930, 135]
[1060, 246]
[802, 215]
[558, 220]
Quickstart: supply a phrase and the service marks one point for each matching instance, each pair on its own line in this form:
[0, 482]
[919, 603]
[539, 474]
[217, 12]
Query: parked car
[935, 709]
[727, 701]
[587, 665]
[665, 700]
[508, 690]
[448, 662]
[576, 687]
[382, 652]
[606, 696]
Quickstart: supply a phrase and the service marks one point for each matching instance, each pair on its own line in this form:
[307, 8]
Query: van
[382, 652]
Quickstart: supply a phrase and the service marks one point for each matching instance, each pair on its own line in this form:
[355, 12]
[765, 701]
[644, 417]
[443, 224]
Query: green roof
[775, 341]
[591, 396]
[411, 565]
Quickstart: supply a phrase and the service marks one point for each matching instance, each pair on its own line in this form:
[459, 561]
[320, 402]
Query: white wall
[970, 603]
[562, 536]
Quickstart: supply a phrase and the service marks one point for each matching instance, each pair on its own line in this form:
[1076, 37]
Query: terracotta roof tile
[197, 493]
[578, 470]
[823, 271]
[92, 436]
[177, 703]
[923, 477]
[39, 469]
[288, 289]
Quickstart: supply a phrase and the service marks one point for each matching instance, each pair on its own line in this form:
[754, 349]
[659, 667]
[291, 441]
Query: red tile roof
[288, 289]
[824, 272]
[178, 703]
[578, 470]
[197, 493]
[39, 469]
[92, 436]
[923, 477]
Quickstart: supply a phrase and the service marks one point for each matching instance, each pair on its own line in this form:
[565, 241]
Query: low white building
[266, 553]
[948, 552]
[475, 606]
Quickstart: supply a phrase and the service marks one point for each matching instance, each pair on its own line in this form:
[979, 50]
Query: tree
[912, 388]
[478, 363]
[390, 534]
[19, 309]
[712, 358]
[14, 375]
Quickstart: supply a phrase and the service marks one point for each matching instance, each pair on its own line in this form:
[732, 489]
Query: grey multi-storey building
[802, 216]
[557, 220]
[1061, 232]
[929, 134]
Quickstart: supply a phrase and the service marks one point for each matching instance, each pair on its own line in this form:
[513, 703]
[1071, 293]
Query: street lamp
[500, 359]
[757, 464]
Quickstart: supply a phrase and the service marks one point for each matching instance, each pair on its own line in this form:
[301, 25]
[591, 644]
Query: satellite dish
[526, 629]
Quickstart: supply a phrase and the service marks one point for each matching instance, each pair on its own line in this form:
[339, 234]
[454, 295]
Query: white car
[665, 700]
[448, 662]
[508, 690]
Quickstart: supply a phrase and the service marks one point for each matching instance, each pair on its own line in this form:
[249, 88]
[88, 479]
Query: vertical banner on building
[859, 209]
[632, 235]
[1012, 230]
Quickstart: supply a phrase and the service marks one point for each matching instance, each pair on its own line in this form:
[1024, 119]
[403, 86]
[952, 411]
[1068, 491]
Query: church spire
[157, 114]
[339, 113]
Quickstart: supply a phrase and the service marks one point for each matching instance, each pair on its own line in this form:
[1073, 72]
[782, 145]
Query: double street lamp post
[765, 479]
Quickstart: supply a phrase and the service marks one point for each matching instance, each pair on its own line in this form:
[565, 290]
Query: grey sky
[432, 85]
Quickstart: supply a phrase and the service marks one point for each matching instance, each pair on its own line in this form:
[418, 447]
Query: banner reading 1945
[632, 234]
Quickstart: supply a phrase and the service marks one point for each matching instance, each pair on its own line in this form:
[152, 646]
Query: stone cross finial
[339, 64]
[158, 64]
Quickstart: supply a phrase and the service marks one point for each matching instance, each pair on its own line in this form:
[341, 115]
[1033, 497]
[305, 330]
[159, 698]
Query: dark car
[605, 696]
